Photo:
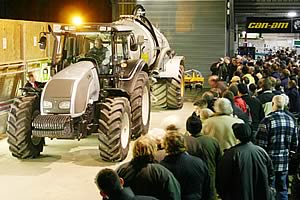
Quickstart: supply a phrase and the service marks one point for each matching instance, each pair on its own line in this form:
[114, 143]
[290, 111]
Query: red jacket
[239, 102]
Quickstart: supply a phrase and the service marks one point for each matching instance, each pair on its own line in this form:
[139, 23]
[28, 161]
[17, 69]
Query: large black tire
[114, 129]
[140, 106]
[21, 142]
[169, 92]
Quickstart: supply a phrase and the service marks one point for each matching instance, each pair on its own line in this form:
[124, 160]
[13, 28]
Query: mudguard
[171, 68]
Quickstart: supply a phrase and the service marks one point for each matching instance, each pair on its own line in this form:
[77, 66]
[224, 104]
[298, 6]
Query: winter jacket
[192, 174]
[220, 127]
[294, 99]
[212, 151]
[239, 102]
[151, 179]
[127, 194]
[245, 172]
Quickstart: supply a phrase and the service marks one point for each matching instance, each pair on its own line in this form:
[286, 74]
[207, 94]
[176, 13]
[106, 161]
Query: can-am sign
[272, 25]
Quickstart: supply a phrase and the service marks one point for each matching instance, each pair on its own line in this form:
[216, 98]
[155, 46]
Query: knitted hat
[242, 132]
[193, 125]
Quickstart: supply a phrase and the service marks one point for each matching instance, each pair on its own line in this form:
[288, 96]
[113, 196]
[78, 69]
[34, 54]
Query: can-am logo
[273, 25]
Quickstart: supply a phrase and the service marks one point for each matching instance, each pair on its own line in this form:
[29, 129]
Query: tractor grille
[53, 126]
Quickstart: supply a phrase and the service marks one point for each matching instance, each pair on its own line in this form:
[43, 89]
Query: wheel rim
[145, 106]
[125, 131]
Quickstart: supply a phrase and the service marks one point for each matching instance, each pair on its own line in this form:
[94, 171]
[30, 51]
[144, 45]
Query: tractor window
[122, 47]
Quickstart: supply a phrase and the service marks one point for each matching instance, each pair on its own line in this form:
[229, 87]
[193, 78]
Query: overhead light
[292, 14]
[77, 20]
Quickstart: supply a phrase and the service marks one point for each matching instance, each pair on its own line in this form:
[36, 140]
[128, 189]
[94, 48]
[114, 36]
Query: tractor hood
[71, 90]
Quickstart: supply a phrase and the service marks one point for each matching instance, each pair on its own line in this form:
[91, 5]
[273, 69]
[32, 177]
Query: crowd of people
[237, 141]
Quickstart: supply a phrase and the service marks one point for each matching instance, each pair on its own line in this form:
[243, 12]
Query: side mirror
[43, 42]
[140, 40]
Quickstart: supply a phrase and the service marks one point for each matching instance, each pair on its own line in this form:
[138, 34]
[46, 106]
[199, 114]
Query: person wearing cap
[207, 144]
[111, 187]
[219, 126]
[278, 135]
[245, 171]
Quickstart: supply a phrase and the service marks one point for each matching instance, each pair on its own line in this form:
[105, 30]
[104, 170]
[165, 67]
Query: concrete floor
[66, 169]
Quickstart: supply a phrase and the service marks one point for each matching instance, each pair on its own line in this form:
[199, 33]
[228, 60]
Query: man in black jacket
[111, 187]
[256, 109]
[191, 172]
[146, 177]
[245, 171]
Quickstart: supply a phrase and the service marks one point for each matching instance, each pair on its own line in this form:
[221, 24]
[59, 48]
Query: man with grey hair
[220, 125]
[277, 134]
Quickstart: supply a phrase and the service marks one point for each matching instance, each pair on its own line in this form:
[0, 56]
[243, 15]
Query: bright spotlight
[292, 14]
[77, 20]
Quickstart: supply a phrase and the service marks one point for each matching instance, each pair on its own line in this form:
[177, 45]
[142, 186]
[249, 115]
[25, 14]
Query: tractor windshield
[102, 47]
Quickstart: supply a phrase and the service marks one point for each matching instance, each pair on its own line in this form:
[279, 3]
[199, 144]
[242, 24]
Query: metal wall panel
[195, 29]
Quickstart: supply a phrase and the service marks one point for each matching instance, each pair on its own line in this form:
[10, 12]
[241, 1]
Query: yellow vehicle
[193, 79]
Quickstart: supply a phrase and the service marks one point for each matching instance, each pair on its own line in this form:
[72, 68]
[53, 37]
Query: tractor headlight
[64, 105]
[47, 104]
[124, 65]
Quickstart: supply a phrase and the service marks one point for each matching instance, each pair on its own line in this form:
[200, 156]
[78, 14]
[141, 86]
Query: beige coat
[220, 127]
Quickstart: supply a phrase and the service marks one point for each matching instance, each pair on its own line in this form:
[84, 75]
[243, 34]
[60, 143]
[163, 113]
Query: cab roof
[104, 27]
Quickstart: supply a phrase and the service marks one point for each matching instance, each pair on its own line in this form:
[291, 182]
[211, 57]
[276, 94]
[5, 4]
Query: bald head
[278, 102]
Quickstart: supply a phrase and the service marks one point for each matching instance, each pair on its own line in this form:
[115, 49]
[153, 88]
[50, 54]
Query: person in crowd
[235, 80]
[236, 110]
[246, 74]
[215, 82]
[111, 187]
[219, 126]
[190, 171]
[256, 109]
[238, 101]
[231, 68]
[32, 82]
[266, 96]
[253, 89]
[245, 171]
[198, 106]
[145, 177]
[285, 79]
[209, 98]
[219, 69]
[208, 144]
[205, 113]
[277, 134]
[294, 97]
[275, 71]
[277, 88]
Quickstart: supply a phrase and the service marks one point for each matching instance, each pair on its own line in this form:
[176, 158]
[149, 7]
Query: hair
[193, 125]
[245, 70]
[292, 84]
[229, 95]
[213, 78]
[174, 143]
[286, 73]
[144, 149]
[266, 84]
[278, 101]
[252, 88]
[206, 113]
[234, 89]
[202, 103]
[223, 106]
[108, 181]
[242, 88]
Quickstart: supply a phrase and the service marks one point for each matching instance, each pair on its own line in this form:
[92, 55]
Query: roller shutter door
[195, 29]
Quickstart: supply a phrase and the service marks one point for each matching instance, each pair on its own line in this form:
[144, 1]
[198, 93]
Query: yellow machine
[193, 79]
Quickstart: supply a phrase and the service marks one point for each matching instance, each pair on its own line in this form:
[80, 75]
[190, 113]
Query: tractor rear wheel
[169, 92]
[19, 130]
[114, 129]
[140, 105]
